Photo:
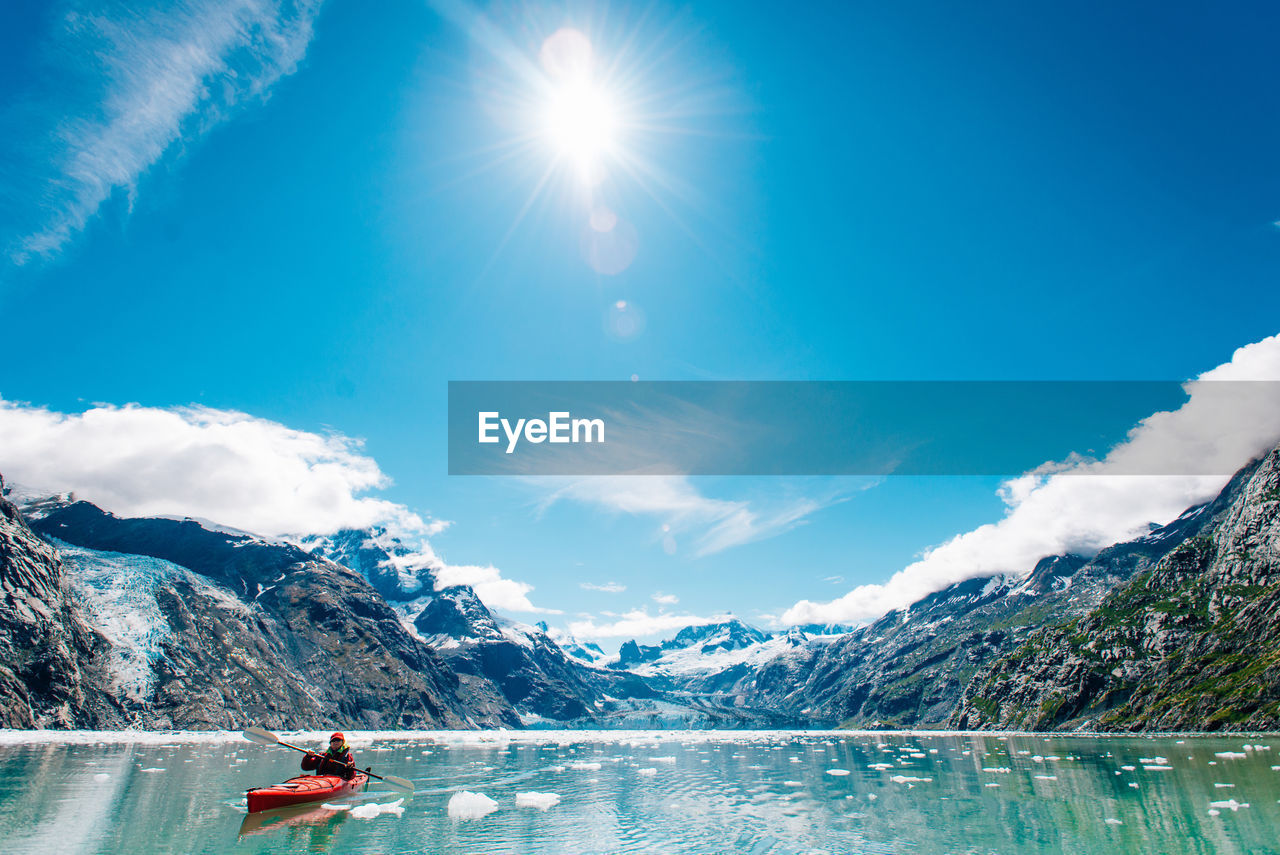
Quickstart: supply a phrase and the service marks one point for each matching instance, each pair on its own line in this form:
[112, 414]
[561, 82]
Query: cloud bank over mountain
[228, 467]
[1081, 505]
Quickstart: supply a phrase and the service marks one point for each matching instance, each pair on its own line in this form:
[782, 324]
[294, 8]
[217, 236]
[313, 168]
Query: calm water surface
[657, 792]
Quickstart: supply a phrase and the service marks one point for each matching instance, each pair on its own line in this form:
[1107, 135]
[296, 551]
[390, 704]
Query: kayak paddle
[262, 736]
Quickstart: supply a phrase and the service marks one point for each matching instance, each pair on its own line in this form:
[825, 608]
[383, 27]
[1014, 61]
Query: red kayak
[304, 788]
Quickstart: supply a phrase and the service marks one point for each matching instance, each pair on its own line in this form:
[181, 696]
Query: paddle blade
[260, 735]
[399, 783]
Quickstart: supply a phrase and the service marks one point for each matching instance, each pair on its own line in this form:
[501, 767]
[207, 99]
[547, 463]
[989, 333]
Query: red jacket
[341, 764]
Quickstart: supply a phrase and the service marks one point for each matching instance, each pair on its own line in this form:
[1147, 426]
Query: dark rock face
[50, 658]
[257, 632]
[529, 669]
[495, 658]
[1192, 643]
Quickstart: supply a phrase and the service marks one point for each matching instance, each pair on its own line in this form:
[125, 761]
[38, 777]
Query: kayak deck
[302, 789]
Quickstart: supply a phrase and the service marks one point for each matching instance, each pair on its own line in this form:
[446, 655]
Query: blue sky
[921, 191]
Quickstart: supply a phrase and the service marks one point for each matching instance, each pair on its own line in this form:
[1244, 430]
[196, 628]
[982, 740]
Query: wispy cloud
[123, 86]
[607, 587]
[1082, 506]
[665, 599]
[681, 509]
[229, 467]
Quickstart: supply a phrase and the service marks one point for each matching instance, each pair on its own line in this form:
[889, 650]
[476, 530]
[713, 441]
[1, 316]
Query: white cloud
[714, 524]
[607, 587]
[229, 467]
[665, 599]
[638, 623]
[126, 87]
[495, 591]
[1083, 506]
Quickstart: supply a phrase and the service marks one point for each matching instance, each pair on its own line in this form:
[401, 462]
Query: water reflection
[666, 792]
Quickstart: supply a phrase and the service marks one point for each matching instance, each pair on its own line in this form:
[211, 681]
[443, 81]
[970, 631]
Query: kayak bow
[304, 788]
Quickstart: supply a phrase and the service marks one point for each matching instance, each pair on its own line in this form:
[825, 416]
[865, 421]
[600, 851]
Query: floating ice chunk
[371, 810]
[467, 805]
[908, 779]
[1223, 786]
[1153, 767]
[1214, 811]
[1229, 803]
[541, 801]
[1128, 768]
[649, 772]
[880, 767]
[152, 769]
[662, 759]
[838, 772]
[993, 785]
[336, 807]
[582, 766]
[793, 783]
[1230, 755]
[101, 776]
[997, 769]
[1111, 820]
[1046, 777]
[1135, 786]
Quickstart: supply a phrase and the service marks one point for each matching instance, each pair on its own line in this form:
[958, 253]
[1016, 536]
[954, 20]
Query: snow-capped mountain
[197, 627]
[586, 652]
[178, 623]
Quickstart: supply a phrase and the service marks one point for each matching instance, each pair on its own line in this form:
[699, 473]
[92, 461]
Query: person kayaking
[336, 761]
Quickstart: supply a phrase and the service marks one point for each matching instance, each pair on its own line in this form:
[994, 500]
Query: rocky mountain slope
[1192, 643]
[241, 630]
[51, 660]
[161, 623]
[911, 667]
[519, 664]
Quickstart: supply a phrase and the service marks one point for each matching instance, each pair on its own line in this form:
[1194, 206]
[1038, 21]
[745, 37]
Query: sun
[581, 123]
[580, 117]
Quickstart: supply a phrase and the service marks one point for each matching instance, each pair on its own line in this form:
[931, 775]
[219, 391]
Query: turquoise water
[657, 792]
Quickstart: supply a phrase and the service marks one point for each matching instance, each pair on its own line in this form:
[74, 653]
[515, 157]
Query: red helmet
[337, 736]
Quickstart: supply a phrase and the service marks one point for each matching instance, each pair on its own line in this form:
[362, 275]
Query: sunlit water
[658, 792]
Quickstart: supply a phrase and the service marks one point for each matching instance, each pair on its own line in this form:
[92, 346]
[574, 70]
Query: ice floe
[1230, 804]
[369, 811]
[468, 805]
[541, 801]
